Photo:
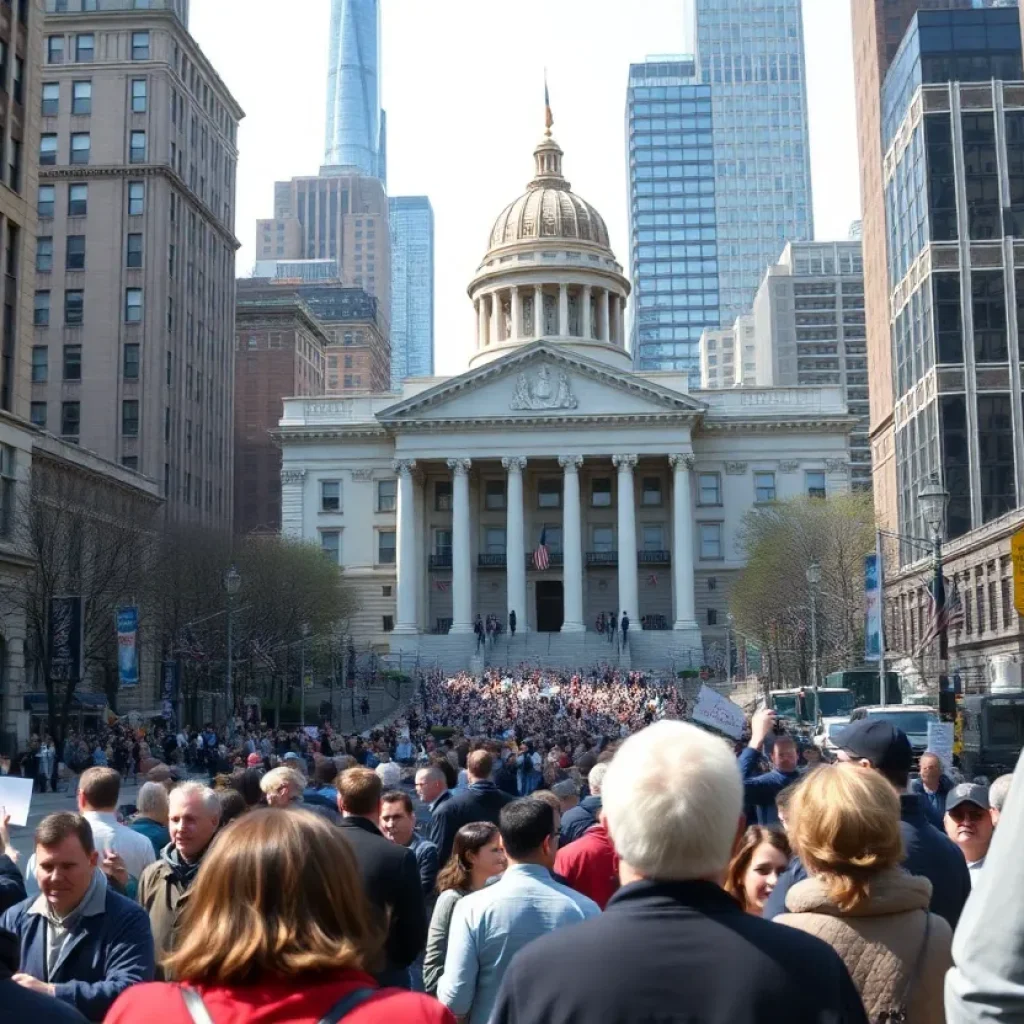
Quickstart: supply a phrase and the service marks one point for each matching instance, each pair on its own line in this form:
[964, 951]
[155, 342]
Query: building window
[7, 484]
[37, 414]
[74, 257]
[494, 540]
[130, 417]
[54, 49]
[603, 539]
[385, 591]
[139, 96]
[48, 149]
[710, 541]
[40, 364]
[51, 99]
[74, 307]
[136, 198]
[443, 544]
[330, 545]
[650, 493]
[494, 495]
[78, 200]
[131, 361]
[549, 493]
[133, 257]
[72, 362]
[14, 176]
[386, 547]
[712, 616]
[140, 46]
[764, 487]
[41, 311]
[601, 492]
[44, 254]
[80, 146]
[387, 494]
[46, 201]
[137, 155]
[85, 48]
[388, 622]
[653, 538]
[70, 419]
[81, 98]
[712, 583]
[130, 462]
[709, 489]
[330, 495]
[814, 481]
[443, 496]
[133, 305]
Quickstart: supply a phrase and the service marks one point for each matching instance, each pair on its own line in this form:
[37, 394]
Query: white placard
[940, 742]
[719, 712]
[16, 798]
[312, 731]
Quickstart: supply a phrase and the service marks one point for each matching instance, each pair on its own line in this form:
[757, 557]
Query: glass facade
[355, 127]
[751, 54]
[412, 288]
[673, 247]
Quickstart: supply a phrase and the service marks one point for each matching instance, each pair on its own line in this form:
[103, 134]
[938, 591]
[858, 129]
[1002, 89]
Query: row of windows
[80, 148]
[74, 306]
[71, 419]
[78, 200]
[72, 363]
[84, 47]
[81, 97]
[74, 254]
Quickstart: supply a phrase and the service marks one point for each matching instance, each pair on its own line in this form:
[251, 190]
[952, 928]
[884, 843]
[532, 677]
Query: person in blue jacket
[81, 942]
[932, 787]
[761, 788]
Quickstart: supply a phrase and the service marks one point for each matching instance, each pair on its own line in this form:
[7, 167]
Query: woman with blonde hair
[755, 868]
[276, 929]
[844, 824]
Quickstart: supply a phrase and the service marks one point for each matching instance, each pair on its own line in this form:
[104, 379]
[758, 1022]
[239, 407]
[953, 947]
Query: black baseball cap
[878, 741]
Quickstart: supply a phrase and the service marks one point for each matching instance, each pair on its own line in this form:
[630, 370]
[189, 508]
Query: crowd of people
[575, 851]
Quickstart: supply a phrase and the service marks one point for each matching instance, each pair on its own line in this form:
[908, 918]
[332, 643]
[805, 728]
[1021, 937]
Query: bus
[864, 684]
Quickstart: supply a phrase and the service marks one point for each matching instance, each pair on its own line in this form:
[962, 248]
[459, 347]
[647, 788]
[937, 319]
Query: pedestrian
[997, 793]
[671, 942]
[761, 788]
[276, 928]
[398, 823]
[282, 787]
[81, 942]
[612, 619]
[151, 820]
[845, 827]
[489, 927]
[932, 786]
[512, 622]
[478, 629]
[432, 787]
[194, 816]
[22, 1004]
[625, 628]
[969, 824]
[590, 865]
[12, 887]
[762, 857]
[476, 858]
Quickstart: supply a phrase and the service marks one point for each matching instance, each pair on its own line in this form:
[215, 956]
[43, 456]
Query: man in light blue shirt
[490, 926]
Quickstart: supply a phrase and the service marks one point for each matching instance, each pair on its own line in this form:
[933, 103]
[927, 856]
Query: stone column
[407, 619]
[604, 316]
[572, 544]
[495, 318]
[563, 311]
[517, 317]
[629, 589]
[538, 311]
[481, 321]
[515, 542]
[586, 326]
[621, 325]
[462, 566]
[682, 555]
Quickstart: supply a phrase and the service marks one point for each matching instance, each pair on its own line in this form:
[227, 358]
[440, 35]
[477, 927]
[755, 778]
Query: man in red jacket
[591, 865]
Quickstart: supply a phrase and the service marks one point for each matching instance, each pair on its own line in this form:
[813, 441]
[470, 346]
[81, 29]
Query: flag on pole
[541, 560]
[943, 614]
[549, 118]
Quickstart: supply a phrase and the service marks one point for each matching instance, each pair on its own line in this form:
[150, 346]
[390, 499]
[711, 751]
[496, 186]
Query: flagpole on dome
[549, 118]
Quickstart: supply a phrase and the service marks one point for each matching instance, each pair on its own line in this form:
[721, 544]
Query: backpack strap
[346, 1005]
[919, 963]
[195, 1006]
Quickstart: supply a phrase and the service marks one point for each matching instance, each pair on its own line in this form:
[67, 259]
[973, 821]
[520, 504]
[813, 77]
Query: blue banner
[872, 609]
[64, 639]
[128, 645]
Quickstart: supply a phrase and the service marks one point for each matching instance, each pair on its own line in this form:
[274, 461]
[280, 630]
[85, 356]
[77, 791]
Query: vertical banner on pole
[170, 675]
[64, 636]
[872, 609]
[128, 645]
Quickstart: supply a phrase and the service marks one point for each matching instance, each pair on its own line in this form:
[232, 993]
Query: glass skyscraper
[673, 250]
[412, 288]
[355, 123]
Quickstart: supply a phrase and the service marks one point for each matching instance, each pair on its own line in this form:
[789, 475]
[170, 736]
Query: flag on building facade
[943, 614]
[541, 558]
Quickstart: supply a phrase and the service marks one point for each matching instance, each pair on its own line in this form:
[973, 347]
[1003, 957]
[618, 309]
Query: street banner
[1017, 554]
[872, 609]
[128, 645]
[64, 637]
[940, 742]
[716, 711]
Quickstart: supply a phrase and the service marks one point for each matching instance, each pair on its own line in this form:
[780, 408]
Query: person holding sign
[12, 887]
[761, 789]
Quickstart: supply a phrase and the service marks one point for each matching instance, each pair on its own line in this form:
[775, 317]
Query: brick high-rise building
[135, 269]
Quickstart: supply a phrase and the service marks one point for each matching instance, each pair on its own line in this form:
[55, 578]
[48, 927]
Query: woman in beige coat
[844, 824]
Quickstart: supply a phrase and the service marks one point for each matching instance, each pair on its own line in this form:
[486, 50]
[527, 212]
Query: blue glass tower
[412, 288]
[355, 131]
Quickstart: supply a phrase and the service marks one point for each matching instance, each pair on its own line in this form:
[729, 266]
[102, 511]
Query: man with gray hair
[997, 796]
[671, 937]
[193, 819]
[568, 794]
[151, 819]
[585, 814]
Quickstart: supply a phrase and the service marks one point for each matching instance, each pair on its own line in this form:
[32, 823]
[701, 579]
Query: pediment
[540, 382]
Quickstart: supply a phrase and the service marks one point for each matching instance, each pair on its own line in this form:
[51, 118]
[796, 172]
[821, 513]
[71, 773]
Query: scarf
[183, 872]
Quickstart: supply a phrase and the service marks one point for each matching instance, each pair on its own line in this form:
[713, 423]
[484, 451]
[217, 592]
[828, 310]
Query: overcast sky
[463, 90]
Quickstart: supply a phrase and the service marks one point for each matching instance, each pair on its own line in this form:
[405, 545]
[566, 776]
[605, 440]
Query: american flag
[442, 586]
[541, 560]
[943, 614]
[652, 580]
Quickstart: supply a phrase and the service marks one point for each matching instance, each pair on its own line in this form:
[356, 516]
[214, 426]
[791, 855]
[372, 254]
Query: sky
[464, 95]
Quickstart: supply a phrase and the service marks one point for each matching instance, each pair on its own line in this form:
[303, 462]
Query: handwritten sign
[16, 798]
[940, 742]
[716, 711]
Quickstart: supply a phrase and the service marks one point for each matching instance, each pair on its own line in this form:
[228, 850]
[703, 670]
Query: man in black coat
[390, 876]
[584, 815]
[483, 801]
[672, 944]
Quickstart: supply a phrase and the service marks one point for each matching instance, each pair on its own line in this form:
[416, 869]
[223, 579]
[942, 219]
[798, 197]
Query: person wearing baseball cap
[873, 744]
[254, 761]
[969, 823]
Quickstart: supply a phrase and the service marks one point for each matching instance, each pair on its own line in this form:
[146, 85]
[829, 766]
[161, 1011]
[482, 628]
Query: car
[826, 735]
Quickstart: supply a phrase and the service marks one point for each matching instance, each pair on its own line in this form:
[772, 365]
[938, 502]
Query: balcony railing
[491, 561]
[441, 560]
[554, 559]
[602, 558]
[654, 557]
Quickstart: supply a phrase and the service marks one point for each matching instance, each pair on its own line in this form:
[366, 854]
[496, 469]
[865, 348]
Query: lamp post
[933, 499]
[232, 583]
[302, 677]
[813, 579]
[729, 620]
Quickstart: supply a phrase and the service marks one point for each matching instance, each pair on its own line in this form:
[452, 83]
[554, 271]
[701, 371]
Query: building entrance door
[550, 607]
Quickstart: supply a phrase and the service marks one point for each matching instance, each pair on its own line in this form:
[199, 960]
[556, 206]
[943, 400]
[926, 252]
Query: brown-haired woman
[276, 929]
[844, 824]
[755, 868]
[477, 856]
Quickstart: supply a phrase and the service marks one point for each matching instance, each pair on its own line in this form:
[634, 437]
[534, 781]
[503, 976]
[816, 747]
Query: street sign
[1017, 552]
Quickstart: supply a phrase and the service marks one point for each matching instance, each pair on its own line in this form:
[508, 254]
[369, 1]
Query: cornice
[774, 426]
[327, 432]
[546, 422]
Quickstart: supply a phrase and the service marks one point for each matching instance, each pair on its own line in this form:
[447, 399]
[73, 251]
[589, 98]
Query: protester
[322, 783]
[763, 855]
[398, 823]
[151, 819]
[997, 793]
[477, 857]
[568, 793]
[248, 782]
[846, 831]
[490, 926]
[22, 1004]
[389, 773]
[590, 865]
[80, 941]
[12, 886]
[389, 872]
[193, 818]
[585, 814]
[969, 824]
[432, 787]
[282, 787]
[277, 929]
[671, 940]
[232, 805]
[761, 789]
[932, 786]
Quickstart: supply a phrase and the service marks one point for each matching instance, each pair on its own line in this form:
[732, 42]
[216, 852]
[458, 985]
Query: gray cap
[291, 756]
[967, 793]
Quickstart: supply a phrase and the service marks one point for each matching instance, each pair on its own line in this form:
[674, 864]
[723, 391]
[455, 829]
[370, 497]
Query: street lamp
[304, 628]
[729, 620]
[813, 579]
[232, 583]
[933, 499]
